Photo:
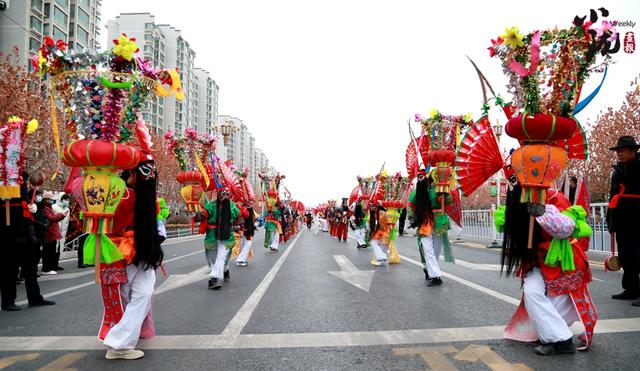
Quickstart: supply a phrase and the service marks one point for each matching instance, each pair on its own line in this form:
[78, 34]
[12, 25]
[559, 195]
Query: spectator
[61, 207]
[18, 248]
[40, 225]
[52, 234]
[624, 207]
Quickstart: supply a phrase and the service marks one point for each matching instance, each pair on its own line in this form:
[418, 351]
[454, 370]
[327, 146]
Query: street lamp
[497, 130]
[226, 130]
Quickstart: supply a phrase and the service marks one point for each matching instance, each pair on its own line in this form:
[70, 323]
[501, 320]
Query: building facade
[207, 102]
[26, 22]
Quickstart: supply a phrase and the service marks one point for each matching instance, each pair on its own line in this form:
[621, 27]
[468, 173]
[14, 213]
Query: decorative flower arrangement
[443, 130]
[190, 148]
[546, 69]
[12, 141]
[101, 93]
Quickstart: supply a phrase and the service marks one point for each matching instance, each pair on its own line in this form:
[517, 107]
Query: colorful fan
[411, 160]
[354, 194]
[230, 180]
[479, 156]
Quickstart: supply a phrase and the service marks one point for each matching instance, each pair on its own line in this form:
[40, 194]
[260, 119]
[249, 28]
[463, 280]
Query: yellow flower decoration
[467, 117]
[13, 119]
[434, 113]
[32, 126]
[513, 37]
[125, 47]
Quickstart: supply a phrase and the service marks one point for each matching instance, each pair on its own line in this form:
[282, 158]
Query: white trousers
[216, 259]
[244, 252]
[325, 225]
[551, 316]
[275, 241]
[136, 298]
[432, 247]
[379, 251]
[359, 235]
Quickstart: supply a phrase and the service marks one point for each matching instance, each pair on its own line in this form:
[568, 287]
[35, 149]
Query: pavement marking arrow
[350, 273]
[178, 280]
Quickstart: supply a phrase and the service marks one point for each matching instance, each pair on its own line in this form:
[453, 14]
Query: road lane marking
[9, 361]
[175, 281]
[483, 289]
[351, 274]
[240, 320]
[62, 363]
[77, 287]
[297, 340]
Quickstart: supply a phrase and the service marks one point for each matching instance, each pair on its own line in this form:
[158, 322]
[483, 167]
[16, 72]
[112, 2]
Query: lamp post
[497, 130]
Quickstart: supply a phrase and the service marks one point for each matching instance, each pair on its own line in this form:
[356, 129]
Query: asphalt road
[287, 311]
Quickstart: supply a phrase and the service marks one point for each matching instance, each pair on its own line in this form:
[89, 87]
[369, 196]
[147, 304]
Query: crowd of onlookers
[35, 228]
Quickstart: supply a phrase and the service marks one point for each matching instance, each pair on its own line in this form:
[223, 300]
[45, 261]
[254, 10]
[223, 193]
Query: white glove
[33, 208]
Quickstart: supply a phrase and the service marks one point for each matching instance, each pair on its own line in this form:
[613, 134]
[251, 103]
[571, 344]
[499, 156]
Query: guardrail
[478, 224]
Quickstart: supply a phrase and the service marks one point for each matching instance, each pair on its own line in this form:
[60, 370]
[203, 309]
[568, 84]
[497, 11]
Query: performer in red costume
[555, 272]
[135, 234]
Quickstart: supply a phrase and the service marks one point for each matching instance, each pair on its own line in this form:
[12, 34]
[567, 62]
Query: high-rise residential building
[25, 23]
[179, 115]
[151, 41]
[207, 102]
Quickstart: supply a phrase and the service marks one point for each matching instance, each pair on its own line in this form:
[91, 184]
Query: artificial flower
[467, 117]
[32, 126]
[513, 37]
[418, 117]
[13, 119]
[125, 47]
[434, 113]
[494, 44]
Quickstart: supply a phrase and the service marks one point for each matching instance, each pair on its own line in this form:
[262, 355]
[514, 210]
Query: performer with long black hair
[219, 239]
[135, 221]
[555, 271]
[359, 226]
[248, 230]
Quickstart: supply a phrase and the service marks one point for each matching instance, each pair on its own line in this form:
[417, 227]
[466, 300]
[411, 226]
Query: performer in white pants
[243, 258]
[551, 315]
[432, 247]
[380, 237]
[216, 256]
[359, 226]
[136, 297]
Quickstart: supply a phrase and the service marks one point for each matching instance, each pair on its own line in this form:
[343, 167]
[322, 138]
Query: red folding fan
[478, 157]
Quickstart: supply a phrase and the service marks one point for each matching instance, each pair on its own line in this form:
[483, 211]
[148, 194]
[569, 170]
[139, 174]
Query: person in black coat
[624, 209]
[18, 250]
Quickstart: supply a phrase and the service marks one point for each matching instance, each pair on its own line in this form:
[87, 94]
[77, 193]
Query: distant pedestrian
[52, 234]
[62, 207]
[624, 208]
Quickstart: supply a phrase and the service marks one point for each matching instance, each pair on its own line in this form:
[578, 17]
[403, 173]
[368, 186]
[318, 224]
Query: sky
[327, 87]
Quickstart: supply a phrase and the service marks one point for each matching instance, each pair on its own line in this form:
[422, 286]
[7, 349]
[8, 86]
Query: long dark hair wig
[358, 212]
[516, 233]
[422, 204]
[224, 218]
[149, 254]
[249, 226]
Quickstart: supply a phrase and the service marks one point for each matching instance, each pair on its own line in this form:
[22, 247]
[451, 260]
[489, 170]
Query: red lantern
[442, 160]
[541, 127]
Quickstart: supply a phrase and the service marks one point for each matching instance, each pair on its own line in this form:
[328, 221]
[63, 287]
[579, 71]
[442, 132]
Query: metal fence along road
[478, 224]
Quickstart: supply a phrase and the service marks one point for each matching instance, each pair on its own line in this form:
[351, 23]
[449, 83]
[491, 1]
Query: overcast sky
[326, 87]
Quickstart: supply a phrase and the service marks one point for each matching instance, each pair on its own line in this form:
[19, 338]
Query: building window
[148, 37]
[83, 17]
[34, 44]
[63, 2]
[36, 24]
[45, 29]
[47, 10]
[37, 4]
[60, 18]
[82, 35]
[85, 3]
[148, 26]
[58, 34]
